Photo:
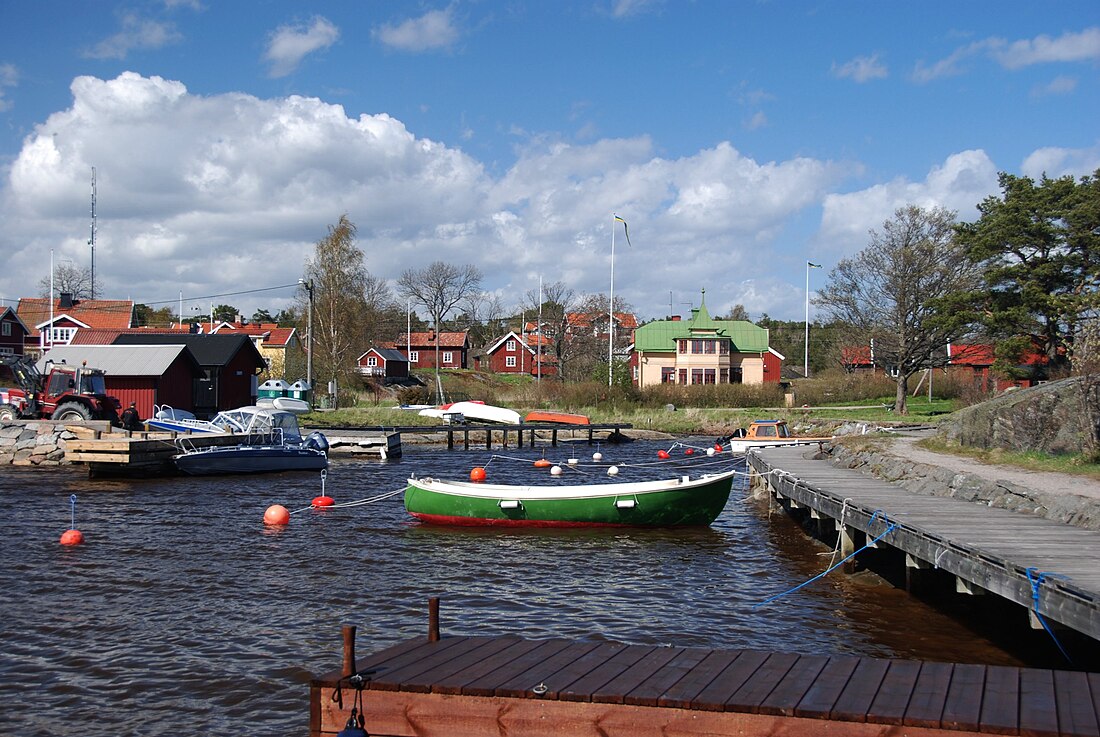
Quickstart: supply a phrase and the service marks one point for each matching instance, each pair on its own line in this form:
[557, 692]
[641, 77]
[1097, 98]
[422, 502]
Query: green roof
[661, 335]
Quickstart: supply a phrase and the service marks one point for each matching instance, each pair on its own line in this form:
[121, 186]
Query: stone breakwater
[922, 478]
[33, 443]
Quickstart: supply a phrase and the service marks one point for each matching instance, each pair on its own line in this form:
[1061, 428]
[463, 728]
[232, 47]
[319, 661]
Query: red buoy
[72, 537]
[542, 463]
[717, 447]
[477, 474]
[689, 452]
[276, 515]
[662, 454]
[322, 501]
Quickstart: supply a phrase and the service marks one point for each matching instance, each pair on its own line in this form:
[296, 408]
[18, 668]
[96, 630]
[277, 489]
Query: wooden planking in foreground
[467, 686]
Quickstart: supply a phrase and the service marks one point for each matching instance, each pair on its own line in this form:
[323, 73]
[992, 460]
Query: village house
[420, 349]
[512, 354]
[975, 361]
[280, 347]
[383, 362]
[13, 333]
[596, 324]
[47, 328]
[703, 351]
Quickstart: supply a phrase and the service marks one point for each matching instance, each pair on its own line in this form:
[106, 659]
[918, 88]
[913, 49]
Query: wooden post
[450, 439]
[554, 438]
[433, 619]
[488, 439]
[465, 438]
[348, 667]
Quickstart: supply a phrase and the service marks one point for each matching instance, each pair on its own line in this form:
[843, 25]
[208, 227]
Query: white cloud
[9, 77]
[1060, 85]
[434, 30]
[963, 180]
[136, 33]
[758, 120]
[290, 44]
[1059, 162]
[627, 8]
[861, 69]
[1069, 47]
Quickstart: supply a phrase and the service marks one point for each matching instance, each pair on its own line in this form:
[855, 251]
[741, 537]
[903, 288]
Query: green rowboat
[669, 503]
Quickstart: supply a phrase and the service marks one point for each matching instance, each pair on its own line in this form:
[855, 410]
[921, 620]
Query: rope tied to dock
[1036, 580]
[891, 526]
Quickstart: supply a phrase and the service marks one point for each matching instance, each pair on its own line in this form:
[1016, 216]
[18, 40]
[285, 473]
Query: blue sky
[738, 139]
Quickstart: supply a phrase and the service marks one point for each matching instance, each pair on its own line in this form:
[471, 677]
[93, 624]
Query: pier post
[433, 619]
[348, 668]
[450, 439]
[553, 438]
[847, 545]
[465, 438]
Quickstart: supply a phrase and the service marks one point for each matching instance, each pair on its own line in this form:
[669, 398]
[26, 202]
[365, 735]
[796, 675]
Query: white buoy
[555, 470]
[597, 456]
[612, 470]
[710, 452]
[572, 461]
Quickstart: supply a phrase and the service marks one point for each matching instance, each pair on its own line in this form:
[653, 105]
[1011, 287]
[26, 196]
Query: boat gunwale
[566, 492]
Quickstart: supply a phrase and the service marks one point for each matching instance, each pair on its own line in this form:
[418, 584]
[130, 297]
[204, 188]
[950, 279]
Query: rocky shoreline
[33, 443]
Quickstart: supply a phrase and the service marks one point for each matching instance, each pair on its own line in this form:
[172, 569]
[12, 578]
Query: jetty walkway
[1048, 568]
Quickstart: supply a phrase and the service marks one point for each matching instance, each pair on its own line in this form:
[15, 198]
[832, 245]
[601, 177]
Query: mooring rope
[892, 526]
[1036, 580]
[357, 503]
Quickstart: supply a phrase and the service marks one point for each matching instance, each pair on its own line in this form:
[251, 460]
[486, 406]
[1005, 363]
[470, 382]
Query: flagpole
[806, 350]
[611, 304]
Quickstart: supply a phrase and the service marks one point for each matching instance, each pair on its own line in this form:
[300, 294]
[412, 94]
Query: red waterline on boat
[446, 519]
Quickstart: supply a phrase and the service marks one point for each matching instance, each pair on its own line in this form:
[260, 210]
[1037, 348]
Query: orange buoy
[322, 501]
[662, 454]
[542, 463]
[72, 537]
[276, 514]
[689, 452]
[717, 447]
[477, 473]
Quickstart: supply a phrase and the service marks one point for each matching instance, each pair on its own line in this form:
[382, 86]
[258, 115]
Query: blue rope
[1036, 581]
[892, 526]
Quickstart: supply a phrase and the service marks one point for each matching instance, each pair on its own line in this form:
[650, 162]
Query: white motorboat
[473, 411]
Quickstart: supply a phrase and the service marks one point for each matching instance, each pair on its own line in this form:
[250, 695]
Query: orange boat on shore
[557, 418]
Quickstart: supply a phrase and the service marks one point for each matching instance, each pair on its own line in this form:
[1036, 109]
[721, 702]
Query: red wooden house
[420, 349]
[976, 361]
[380, 362]
[13, 333]
[512, 354]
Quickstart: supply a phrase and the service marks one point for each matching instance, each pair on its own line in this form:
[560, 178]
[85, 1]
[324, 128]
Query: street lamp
[806, 353]
[309, 333]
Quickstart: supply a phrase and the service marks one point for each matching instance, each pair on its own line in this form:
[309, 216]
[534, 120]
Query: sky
[738, 140]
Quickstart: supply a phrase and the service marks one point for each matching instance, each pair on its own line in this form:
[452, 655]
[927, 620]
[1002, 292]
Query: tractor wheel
[8, 413]
[72, 412]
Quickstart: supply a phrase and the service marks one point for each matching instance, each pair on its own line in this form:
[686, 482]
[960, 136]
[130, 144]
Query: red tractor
[64, 393]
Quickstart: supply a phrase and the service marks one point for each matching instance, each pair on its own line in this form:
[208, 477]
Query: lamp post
[309, 333]
[806, 353]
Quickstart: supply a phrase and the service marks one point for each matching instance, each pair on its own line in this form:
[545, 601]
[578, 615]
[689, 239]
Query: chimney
[676, 318]
[431, 334]
[66, 301]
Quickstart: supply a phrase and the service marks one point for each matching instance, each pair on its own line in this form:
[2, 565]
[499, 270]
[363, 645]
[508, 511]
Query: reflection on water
[182, 614]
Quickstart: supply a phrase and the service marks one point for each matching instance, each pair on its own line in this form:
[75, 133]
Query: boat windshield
[784, 431]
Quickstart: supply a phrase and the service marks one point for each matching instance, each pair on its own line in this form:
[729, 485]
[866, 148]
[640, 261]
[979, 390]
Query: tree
[68, 279]
[906, 291]
[146, 316]
[261, 316]
[558, 300]
[1039, 246]
[439, 288]
[224, 313]
[737, 312]
[340, 283]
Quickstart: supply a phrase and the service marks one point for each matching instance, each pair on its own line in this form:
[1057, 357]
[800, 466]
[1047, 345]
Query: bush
[412, 395]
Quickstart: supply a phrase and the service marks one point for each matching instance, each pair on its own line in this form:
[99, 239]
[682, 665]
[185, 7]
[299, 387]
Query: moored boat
[674, 502]
[766, 433]
[249, 458]
[557, 418]
[476, 411]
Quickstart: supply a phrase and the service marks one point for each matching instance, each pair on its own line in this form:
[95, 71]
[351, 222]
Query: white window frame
[6, 331]
[414, 356]
[448, 357]
[510, 361]
[510, 345]
[372, 361]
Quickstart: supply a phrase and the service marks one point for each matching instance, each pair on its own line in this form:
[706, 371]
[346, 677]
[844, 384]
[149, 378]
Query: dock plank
[1038, 706]
[664, 675]
[785, 697]
[823, 693]
[962, 708]
[894, 693]
[682, 694]
[1000, 700]
[726, 683]
[454, 683]
[763, 681]
[860, 691]
[929, 697]
[593, 682]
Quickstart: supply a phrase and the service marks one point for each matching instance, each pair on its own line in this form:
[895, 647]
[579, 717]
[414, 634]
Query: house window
[683, 376]
[708, 376]
[723, 376]
[510, 345]
[448, 357]
[6, 351]
[682, 346]
[668, 375]
[7, 329]
[414, 356]
[697, 346]
[510, 361]
[724, 347]
[697, 376]
[372, 361]
[61, 335]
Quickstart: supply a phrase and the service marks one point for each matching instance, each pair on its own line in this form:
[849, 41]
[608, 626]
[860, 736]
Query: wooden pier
[467, 434]
[1044, 566]
[482, 686]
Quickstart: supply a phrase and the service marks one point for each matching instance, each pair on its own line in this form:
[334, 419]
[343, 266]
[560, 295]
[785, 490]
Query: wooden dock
[468, 434]
[1039, 564]
[481, 686]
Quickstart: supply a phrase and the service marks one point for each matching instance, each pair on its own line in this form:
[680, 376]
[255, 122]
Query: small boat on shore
[766, 433]
[459, 412]
[557, 418]
[674, 502]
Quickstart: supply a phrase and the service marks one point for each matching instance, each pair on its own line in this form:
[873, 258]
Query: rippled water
[182, 614]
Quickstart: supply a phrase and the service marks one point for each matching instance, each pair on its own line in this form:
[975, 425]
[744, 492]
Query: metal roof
[119, 360]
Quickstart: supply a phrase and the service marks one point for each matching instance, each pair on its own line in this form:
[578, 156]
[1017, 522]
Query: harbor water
[182, 614]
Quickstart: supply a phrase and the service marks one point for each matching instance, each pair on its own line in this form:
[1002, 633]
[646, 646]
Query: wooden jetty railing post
[465, 438]
[348, 667]
[433, 619]
[450, 439]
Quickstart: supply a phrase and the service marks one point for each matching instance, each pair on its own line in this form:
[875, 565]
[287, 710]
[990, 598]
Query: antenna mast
[91, 241]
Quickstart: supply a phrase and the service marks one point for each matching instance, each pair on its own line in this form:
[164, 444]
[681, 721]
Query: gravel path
[1045, 481]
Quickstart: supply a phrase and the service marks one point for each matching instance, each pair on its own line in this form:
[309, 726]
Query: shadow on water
[183, 609]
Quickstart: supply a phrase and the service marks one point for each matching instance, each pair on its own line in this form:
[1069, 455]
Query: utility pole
[91, 240]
